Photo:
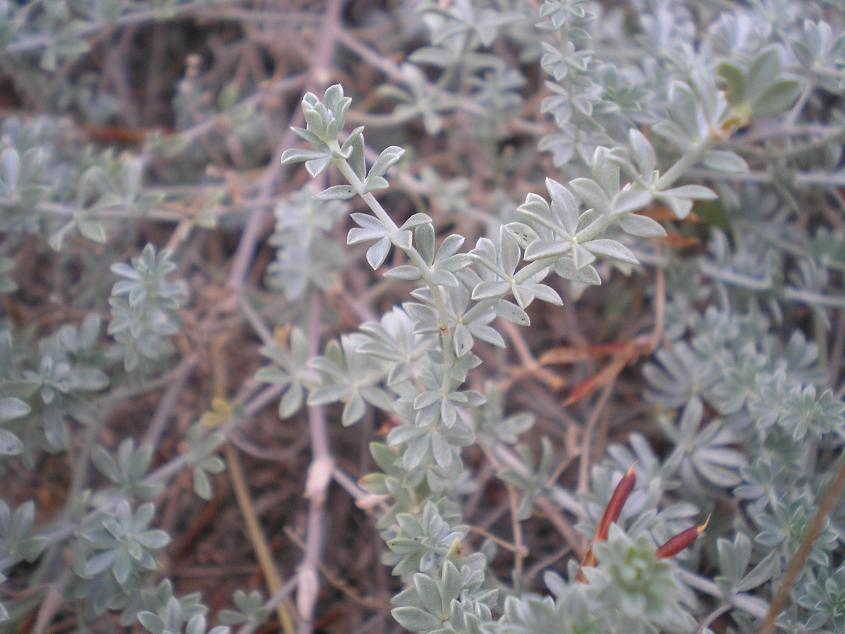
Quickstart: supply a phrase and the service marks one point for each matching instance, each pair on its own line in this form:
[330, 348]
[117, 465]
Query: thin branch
[318, 75]
[271, 603]
[168, 401]
[316, 487]
[514, 548]
[256, 535]
[236, 475]
[834, 492]
[136, 17]
[165, 471]
[711, 618]
[519, 549]
[587, 438]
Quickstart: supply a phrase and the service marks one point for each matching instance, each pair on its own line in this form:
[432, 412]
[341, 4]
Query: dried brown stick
[318, 75]
[316, 487]
[834, 492]
[236, 475]
[587, 436]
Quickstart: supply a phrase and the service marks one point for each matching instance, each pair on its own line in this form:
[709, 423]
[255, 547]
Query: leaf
[778, 97]
[735, 80]
[565, 268]
[762, 572]
[509, 252]
[435, 56]
[591, 193]
[629, 200]
[673, 133]
[679, 206]
[463, 340]
[642, 151]
[546, 249]
[353, 410]
[202, 484]
[100, 562]
[762, 73]
[416, 220]
[11, 164]
[684, 108]
[12, 408]
[292, 400]
[10, 445]
[154, 539]
[522, 233]
[428, 593]
[104, 463]
[424, 239]
[151, 621]
[353, 148]
[89, 379]
[691, 192]
[385, 160]
[642, 226]
[415, 619]
[316, 167]
[57, 238]
[369, 228]
[722, 161]
[488, 334]
[611, 249]
[338, 192]
[298, 155]
[378, 252]
[122, 566]
[490, 289]
[406, 272]
[374, 183]
[547, 294]
[511, 312]
[131, 176]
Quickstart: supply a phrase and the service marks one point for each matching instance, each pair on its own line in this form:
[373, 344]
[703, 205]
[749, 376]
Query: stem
[532, 269]
[271, 603]
[834, 492]
[803, 179]
[316, 488]
[135, 17]
[683, 164]
[478, 307]
[63, 530]
[796, 110]
[256, 535]
[318, 74]
[412, 253]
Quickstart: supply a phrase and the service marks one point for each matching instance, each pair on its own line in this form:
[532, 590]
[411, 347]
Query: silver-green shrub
[727, 116]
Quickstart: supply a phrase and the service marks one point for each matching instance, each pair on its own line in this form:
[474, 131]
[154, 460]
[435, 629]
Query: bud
[611, 514]
[682, 540]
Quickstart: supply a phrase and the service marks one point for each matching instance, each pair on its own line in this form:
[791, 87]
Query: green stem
[412, 253]
[532, 268]
[683, 164]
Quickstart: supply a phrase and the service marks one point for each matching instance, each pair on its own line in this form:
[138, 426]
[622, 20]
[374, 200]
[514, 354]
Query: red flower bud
[682, 540]
[611, 514]
[617, 501]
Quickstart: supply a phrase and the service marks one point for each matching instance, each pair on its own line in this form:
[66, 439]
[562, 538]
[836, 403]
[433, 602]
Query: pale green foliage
[144, 305]
[457, 292]
[724, 115]
[250, 609]
[306, 254]
[42, 398]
